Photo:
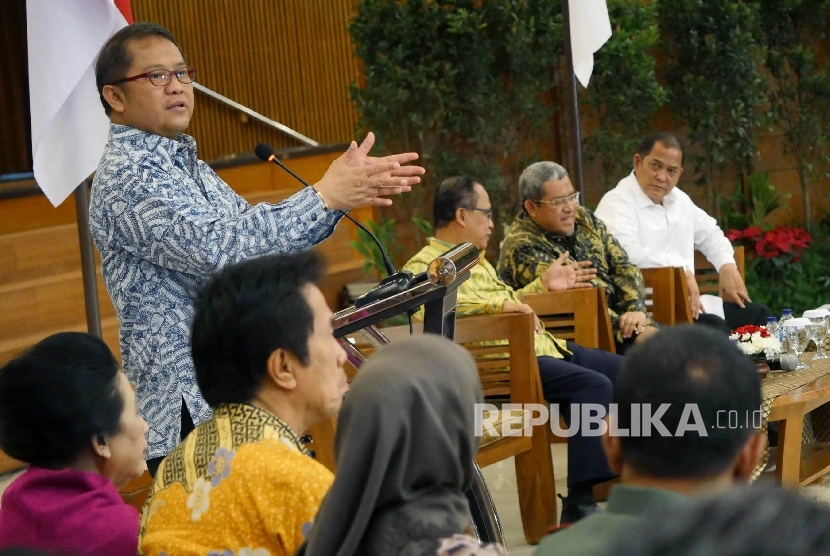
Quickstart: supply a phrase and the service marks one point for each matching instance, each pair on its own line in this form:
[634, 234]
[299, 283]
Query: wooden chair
[516, 376]
[578, 315]
[706, 275]
[670, 298]
[662, 293]
[508, 371]
[9, 465]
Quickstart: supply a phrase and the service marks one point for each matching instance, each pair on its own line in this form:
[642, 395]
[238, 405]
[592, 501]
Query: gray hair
[531, 180]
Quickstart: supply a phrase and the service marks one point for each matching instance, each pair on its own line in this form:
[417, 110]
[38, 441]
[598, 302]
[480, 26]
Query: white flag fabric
[590, 28]
[69, 126]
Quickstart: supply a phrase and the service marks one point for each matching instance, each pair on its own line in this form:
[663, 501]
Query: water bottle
[773, 328]
[785, 316]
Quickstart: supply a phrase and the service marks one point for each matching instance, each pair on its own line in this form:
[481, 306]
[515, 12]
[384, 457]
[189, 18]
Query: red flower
[782, 241]
[751, 329]
[778, 242]
[752, 233]
[734, 234]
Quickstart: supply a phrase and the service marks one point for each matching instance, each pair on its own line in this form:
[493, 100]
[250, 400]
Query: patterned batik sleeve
[169, 230]
[522, 264]
[626, 277]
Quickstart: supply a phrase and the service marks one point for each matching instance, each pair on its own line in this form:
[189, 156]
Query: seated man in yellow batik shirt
[551, 223]
[571, 375]
[268, 364]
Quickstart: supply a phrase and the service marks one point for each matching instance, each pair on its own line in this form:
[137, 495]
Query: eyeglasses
[487, 212]
[560, 202]
[160, 78]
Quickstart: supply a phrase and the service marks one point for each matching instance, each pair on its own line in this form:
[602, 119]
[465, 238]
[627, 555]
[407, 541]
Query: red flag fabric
[124, 7]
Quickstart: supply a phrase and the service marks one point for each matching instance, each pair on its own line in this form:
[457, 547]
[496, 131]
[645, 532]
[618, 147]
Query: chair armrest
[576, 313]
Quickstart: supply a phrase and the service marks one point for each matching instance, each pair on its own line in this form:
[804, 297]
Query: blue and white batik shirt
[164, 221]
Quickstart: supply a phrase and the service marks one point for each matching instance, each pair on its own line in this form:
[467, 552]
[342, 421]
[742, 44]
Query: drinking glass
[818, 331]
[798, 337]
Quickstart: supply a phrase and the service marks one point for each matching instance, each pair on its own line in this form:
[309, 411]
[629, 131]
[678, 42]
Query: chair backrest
[579, 315]
[515, 350]
[667, 295]
[660, 293]
[707, 276]
[506, 369]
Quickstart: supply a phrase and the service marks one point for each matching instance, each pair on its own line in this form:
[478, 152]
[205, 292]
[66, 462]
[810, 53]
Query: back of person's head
[452, 194]
[405, 446]
[664, 138]
[57, 397]
[114, 58]
[244, 313]
[757, 521]
[714, 396]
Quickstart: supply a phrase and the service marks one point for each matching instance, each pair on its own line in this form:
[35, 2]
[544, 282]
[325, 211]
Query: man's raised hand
[356, 179]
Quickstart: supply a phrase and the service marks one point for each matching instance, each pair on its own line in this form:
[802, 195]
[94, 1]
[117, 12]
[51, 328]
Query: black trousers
[754, 313]
[586, 377]
[187, 427]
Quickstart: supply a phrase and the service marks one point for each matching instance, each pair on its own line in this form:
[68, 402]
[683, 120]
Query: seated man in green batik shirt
[552, 223]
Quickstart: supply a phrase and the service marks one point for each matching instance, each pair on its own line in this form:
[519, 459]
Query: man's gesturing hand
[561, 275]
[356, 179]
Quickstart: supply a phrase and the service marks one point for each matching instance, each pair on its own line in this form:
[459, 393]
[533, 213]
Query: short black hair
[666, 139]
[452, 194]
[756, 521]
[114, 59]
[243, 314]
[56, 397]
[680, 366]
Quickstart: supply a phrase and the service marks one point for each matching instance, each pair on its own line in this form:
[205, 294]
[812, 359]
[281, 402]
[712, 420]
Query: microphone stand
[395, 281]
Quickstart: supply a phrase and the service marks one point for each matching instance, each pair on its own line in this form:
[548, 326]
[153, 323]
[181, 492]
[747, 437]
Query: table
[788, 403]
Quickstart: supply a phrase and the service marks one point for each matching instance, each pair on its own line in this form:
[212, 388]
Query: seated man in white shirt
[659, 225]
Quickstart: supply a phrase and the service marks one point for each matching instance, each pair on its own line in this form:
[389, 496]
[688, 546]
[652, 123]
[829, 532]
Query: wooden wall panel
[15, 129]
[290, 60]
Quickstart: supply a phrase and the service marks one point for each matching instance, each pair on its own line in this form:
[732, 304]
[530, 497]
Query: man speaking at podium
[164, 221]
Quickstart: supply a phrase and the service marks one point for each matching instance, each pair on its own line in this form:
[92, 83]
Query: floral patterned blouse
[241, 484]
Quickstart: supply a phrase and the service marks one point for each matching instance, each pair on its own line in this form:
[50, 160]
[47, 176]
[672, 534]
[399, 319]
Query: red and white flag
[590, 27]
[69, 126]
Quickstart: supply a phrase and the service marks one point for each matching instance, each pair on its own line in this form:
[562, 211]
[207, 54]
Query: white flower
[248, 551]
[199, 499]
[754, 344]
[771, 346]
[746, 347]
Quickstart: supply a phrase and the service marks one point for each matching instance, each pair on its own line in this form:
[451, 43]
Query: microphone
[783, 362]
[395, 282]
